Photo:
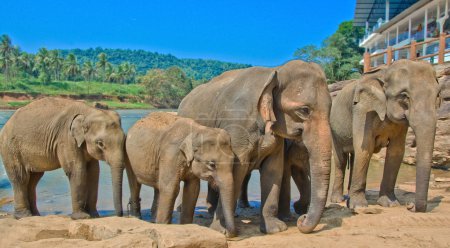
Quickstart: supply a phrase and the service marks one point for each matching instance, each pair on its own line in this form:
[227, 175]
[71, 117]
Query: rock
[100, 105]
[59, 231]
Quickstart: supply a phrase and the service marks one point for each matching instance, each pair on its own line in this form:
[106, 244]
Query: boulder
[60, 231]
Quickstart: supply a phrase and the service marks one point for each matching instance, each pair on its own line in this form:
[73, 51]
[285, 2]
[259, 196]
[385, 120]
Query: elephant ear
[187, 148]
[265, 104]
[370, 93]
[77, 129]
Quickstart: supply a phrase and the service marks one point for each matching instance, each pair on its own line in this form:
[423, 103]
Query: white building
[396, 24]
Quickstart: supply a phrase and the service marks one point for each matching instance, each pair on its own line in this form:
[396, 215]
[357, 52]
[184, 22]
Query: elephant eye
[403, 99]
[304, 112]
[100, 144]
[211, 165]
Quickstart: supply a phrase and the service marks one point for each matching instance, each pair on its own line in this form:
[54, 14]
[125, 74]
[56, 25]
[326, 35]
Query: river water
[53, 194]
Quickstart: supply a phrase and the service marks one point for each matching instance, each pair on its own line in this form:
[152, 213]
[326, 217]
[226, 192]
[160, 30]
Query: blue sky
[256, 32]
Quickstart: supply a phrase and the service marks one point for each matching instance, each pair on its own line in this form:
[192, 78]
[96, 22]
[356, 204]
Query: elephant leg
[34, 179]
[154, 209]
[284, 204]
[394, 157]
[191, 190]
[19, 178]
[93, 173]
[78, 189]
[212, 199]
[166, 202]
[271, 179]
[243, 198]
[340, 161]
[357, 196]
[301, 179]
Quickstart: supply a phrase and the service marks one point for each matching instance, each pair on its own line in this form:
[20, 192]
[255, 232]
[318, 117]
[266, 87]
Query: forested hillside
[199, 69]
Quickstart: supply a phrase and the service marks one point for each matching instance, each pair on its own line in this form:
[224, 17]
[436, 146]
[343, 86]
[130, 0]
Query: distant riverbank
[19, 92]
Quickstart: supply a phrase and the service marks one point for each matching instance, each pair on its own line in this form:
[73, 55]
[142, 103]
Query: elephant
[164, 149]
[51, 133]
[260, 107]
[375, 112]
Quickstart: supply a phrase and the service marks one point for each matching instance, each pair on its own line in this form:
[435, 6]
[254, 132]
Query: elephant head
[208, 154]
[296, 103]
[101, 135]
[407, 92]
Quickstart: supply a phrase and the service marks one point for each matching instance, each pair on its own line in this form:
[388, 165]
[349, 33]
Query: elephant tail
[135, 201]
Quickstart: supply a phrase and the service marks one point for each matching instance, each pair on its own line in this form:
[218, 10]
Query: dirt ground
[374, 226]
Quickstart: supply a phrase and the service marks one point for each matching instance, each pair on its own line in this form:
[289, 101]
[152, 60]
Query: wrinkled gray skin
[296, 165]
[51, 133]
[259, 107]
[164, 149]
[375, 112]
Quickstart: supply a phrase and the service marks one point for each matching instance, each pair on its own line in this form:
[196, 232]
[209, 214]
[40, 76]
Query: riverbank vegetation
[132, 75]
[339, 55]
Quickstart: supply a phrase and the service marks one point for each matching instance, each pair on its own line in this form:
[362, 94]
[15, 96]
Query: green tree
[25, 63]
[71, 67]
[56, 63]
[88, 71]
[101, 64]
[42, 65]
[339, 55]
[6, 56]
[166, 87]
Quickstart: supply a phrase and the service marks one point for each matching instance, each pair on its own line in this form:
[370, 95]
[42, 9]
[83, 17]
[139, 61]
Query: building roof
[372, 10]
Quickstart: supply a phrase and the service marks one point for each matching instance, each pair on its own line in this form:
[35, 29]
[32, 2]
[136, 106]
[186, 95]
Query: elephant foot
[217, 226]
[272, 225]
[244, 204]
[388, 202]
[94, 214]
[135, 210]
[357, 201]
[337, 198]
[286, 217]
[301, 208]
[79, 215]
[19, 214]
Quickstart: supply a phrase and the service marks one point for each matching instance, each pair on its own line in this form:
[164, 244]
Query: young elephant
[51, 133]
[164, 149]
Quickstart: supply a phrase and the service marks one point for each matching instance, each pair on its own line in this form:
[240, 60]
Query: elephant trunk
[425, 133]
[318, 142]
[117, 179]
[225, 185]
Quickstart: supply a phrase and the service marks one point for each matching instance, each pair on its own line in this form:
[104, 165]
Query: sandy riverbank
[340, 227]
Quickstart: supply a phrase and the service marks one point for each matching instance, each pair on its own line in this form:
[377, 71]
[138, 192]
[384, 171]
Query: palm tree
[25, 63]
[6, 55]
[43, 65]
[109, 72]
[57, 63]
[88, 70]
[71, 67]
[101, 64]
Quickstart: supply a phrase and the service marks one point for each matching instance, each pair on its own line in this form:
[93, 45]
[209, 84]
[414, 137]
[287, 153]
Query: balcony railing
[414, 50]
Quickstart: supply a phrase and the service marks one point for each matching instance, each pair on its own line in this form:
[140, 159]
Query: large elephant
[259, 107]
[164, 149]
[376, 111]
[51, 133]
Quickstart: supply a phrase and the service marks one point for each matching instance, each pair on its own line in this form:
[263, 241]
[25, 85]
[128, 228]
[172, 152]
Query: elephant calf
[51, 133]
[164, 149]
